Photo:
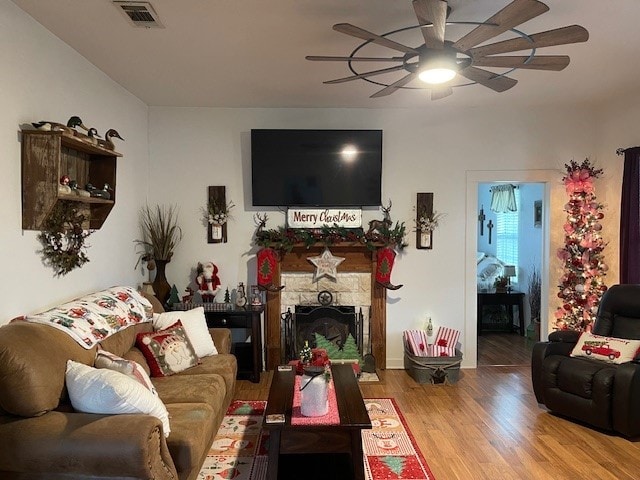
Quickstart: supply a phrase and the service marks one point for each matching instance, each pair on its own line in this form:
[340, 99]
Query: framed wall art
[537, 213]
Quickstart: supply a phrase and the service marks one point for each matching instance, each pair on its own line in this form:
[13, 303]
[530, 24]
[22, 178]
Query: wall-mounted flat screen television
[321, 168]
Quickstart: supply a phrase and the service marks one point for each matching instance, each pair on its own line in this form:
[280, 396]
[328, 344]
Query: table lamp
[509, 271]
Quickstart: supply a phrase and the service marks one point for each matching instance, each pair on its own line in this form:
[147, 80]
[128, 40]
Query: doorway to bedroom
[509, 264]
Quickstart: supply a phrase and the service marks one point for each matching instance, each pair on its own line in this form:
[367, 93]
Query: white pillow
[609, 349]
[195, 326]
[105, 391]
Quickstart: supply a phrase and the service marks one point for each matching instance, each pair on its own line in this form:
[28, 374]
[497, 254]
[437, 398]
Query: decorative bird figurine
[107, 142]
[93, 134]
[46, 126]
[76, 121]
[90, 137]
[104, 193]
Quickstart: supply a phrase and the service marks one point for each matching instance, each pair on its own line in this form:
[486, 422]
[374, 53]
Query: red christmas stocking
[267, 262]
[385, 258]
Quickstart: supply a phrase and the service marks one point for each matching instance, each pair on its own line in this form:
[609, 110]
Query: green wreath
[63, 238]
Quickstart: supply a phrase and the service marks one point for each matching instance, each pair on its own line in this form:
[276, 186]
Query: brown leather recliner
[598, 393]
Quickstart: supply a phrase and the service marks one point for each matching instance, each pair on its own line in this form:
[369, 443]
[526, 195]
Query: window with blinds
[507, 236]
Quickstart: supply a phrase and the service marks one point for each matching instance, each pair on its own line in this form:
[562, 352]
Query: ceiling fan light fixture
[438, 70]
[436, 76]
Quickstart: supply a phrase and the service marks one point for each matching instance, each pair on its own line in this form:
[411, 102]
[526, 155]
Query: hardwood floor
[497, 349]
[489, 426]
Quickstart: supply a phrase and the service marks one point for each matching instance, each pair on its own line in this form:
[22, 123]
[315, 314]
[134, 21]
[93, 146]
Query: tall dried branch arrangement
[535, 294]
[160, 231]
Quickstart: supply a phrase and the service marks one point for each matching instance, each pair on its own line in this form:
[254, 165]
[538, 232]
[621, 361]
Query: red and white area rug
[239, 450]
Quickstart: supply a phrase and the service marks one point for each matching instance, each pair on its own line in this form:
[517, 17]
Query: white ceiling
[251, 53]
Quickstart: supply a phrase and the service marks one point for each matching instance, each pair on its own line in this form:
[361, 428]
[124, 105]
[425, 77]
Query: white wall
[44, 79]
[424, 151]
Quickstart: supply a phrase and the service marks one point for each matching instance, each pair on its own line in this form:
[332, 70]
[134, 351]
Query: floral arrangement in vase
[501, 283]
[581, 285]
[217, 213]
[428, 223]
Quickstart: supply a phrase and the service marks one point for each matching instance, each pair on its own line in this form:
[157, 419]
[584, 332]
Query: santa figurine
[207, 281]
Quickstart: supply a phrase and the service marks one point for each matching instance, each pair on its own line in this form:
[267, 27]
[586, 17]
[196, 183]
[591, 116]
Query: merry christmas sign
[317, 217]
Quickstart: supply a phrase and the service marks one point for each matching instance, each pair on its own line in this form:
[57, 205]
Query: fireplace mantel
[359, 259]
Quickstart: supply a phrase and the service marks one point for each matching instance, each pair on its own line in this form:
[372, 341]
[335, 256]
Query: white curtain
[503, 199]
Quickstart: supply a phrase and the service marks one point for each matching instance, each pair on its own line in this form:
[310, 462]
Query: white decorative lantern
[314, 392]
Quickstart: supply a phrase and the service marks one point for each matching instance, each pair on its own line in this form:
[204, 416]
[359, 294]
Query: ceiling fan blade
[488, 79]
[517, 12]
[438, 93]
[433, 13]
[394, 86]
[358, 32]
[365, 75]
[544, 62]
[353, 59]
[558, 36]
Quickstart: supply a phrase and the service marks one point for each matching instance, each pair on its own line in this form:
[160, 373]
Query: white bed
[489, 267]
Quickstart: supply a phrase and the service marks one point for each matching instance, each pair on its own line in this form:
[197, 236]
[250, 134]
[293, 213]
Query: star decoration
[326, 264]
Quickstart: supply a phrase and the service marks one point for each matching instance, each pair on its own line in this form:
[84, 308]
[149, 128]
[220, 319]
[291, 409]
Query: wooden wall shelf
[46, 157]
[76, 198]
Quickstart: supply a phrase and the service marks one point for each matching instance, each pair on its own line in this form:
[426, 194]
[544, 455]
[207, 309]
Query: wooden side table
[246, 334]
[246, 322]
[508, 300]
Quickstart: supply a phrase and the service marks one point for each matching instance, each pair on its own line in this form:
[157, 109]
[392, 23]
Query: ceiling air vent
[140, 14]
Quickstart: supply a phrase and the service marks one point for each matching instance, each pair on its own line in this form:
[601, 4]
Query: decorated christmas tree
[305, 353]
[581, 284]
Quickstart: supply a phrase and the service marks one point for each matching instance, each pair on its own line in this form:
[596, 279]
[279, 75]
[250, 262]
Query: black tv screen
[322, 168]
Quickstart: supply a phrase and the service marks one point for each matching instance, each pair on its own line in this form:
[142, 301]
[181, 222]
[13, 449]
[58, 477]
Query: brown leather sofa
[42, 437]
[601, 394]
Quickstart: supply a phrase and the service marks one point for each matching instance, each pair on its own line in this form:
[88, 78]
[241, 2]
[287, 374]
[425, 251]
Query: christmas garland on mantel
[63, 238]
[285, 239]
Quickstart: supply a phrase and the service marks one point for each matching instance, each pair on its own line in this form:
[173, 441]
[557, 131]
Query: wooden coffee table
[345, 438]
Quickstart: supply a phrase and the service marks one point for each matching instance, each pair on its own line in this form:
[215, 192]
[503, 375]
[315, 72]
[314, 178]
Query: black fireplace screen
[335, 323]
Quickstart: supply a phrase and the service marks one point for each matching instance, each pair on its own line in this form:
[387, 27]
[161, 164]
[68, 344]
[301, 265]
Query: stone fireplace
[354, 287]
[347, 313]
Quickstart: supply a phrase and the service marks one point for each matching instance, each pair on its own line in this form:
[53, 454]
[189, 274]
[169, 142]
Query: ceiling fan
[437, 61]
